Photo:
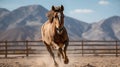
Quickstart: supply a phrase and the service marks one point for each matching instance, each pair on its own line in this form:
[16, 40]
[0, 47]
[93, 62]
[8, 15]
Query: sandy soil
[46, 61]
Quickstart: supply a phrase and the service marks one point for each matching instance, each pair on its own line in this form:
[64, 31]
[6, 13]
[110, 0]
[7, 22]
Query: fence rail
[27, 48]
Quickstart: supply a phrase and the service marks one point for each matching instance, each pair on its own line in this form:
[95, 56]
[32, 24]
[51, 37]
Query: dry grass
[46, 61]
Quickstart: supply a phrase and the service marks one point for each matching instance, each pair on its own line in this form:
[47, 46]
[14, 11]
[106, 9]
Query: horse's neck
[52, 29]
[53, 26]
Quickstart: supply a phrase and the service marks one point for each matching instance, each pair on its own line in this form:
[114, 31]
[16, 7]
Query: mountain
[24, 15]
[108, 29]
[3, 12]
[24, 23]
[75, 28]
[22, 33]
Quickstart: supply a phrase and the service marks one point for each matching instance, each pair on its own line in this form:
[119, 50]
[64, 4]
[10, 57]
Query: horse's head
[56, 16]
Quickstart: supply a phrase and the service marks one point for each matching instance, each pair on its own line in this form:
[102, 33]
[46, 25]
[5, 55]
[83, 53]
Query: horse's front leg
[66, 60]
[51, 53]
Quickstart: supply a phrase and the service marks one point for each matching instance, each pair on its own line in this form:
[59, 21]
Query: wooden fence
[29, 48]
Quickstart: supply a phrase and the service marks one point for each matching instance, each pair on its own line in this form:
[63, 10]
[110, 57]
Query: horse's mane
[49, 15]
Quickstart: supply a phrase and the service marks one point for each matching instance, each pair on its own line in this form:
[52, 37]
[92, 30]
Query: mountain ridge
[31, 17]
[104, 30]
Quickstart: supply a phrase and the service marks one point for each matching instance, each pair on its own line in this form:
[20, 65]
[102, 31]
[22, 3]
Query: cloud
[81, 11]
[103, 2]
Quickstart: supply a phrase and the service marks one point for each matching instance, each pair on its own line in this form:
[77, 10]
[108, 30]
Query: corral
[76, 48]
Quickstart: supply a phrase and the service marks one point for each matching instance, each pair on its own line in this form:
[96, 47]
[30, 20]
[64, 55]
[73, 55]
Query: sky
[84, 10]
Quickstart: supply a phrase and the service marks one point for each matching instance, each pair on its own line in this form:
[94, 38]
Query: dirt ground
[46, 61]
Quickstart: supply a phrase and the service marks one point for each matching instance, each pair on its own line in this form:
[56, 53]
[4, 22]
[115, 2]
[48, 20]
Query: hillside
[33, 16]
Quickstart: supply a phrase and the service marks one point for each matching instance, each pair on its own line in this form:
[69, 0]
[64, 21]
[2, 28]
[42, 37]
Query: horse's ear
[62, 7]
[53, 8]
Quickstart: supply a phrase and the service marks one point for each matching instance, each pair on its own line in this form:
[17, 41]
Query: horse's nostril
[57, 28]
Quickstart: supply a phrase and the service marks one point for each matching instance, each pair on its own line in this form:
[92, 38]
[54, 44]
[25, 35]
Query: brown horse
[54, 34]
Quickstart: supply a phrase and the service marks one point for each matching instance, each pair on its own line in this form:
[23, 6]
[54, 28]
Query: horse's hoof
[66, 61]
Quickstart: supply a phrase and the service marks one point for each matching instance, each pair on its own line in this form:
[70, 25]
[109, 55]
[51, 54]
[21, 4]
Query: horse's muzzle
[59, 30]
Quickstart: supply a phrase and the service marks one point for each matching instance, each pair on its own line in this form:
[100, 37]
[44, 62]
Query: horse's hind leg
[61, 52]
[59, 55]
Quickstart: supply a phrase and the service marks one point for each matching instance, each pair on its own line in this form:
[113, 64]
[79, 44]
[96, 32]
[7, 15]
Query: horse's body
[54, 34]
[50, 34]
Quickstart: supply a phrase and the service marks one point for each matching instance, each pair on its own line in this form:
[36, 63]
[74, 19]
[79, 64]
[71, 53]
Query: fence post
[27, 52]
[82, 48]
[116, 49]
[6, 49]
